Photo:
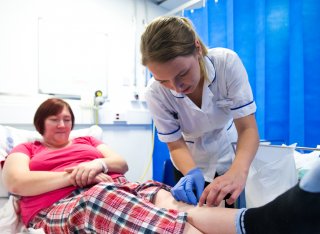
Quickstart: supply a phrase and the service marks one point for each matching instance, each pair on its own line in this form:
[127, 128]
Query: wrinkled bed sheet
[9, 219]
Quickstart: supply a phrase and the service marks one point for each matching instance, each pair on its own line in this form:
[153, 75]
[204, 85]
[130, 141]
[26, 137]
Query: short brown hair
[51, 106]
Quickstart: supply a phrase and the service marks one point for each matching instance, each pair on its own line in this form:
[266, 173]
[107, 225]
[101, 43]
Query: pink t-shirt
[82, 149]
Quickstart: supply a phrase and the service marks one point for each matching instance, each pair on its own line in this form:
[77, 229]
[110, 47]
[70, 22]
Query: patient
[78, 186]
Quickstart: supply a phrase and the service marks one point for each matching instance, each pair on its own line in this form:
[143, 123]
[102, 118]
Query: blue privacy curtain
[279, 44]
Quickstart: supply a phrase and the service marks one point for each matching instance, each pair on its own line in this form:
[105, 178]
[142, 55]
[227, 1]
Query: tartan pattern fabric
[121, 207]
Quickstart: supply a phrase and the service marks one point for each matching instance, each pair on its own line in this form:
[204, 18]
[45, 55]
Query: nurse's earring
[198, 47]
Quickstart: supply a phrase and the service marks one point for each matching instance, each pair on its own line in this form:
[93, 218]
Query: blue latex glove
[184, 189]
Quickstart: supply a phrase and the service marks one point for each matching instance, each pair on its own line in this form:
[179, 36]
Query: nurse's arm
[233, 181]
[248, 142]
[181, 156]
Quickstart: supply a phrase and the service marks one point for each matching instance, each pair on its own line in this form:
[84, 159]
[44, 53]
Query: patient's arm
[114, 161]
[19, 180]
[86, 173]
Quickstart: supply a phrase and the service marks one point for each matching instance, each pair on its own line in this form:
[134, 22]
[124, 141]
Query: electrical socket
[119, 117]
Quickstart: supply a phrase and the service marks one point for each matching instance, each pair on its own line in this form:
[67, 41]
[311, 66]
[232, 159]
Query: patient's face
[57, 128]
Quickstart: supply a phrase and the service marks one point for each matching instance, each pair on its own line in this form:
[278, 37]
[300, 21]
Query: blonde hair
[168, 37]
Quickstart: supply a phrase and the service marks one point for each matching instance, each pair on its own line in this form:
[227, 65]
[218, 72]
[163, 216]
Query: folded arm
[113, 160]
[19, 180]
[87, 172]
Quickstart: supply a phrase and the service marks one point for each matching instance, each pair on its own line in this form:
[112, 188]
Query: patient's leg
[295, 211]
[207, 219]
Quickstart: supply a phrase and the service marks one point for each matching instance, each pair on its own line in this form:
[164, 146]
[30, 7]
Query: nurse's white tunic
[209, 131]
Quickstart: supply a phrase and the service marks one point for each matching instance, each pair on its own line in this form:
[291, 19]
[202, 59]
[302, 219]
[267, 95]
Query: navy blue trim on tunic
[236, 108]
[169, 132]
[230, 126]
[191, 142]
[215, 73]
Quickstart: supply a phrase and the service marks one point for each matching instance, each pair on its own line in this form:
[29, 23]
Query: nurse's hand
[190, 187]
[229, 185]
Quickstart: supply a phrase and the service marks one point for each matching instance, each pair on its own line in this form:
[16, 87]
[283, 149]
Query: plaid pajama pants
[121, 207]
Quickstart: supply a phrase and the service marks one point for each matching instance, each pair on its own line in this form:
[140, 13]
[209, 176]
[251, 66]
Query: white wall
[41, 45]
[40, 52]
[135, 144]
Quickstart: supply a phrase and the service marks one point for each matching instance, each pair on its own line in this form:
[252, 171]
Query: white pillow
[94, 131]
[10, 137]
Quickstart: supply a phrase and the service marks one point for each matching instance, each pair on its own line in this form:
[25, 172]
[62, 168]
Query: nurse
[200, 101]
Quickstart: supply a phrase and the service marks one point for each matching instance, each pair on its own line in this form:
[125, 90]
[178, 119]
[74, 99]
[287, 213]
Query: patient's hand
[102, 177]
[87, 173]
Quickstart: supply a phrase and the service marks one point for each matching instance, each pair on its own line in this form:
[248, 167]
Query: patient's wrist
[103, 165]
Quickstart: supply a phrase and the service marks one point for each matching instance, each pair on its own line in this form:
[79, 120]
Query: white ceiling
[178, 5]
